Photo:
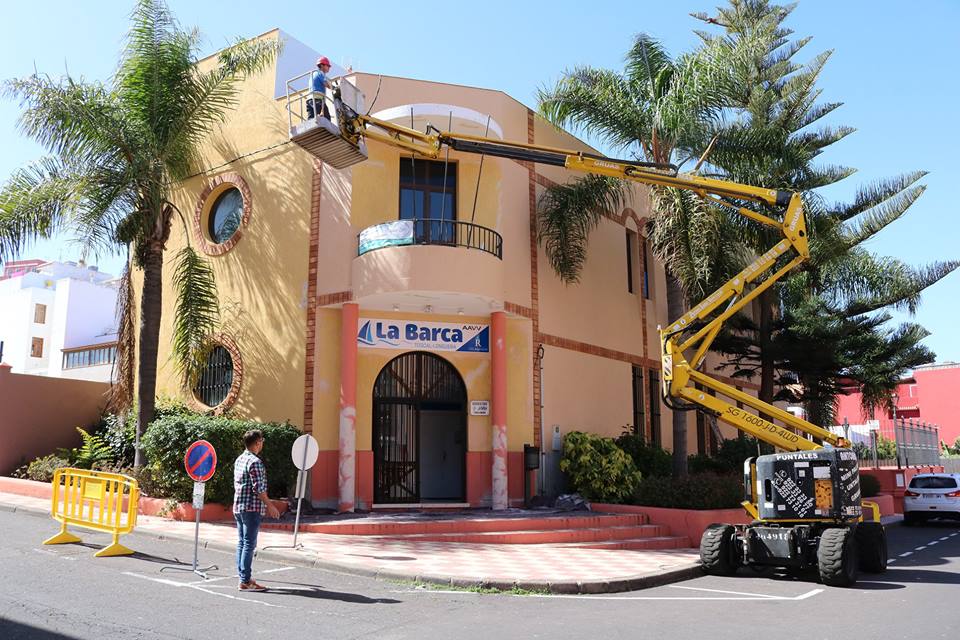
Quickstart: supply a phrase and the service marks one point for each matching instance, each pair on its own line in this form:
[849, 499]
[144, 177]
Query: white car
[932, 495]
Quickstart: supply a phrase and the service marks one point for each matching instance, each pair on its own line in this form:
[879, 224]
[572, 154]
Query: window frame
[653, 384]
[39, 313]
[211, 216]
[639, 421]
[630, 242]
[436, 232]
[34, 341]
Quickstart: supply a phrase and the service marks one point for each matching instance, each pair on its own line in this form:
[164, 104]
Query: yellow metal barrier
[94, 500]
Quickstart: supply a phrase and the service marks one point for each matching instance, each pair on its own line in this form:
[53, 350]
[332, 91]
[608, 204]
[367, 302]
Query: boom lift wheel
[871, 542]
[717, 552]
[837, 557]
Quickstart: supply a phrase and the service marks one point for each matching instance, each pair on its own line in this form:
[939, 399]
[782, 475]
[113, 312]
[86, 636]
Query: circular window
[222, 213]
[226, 215]
[216, 378]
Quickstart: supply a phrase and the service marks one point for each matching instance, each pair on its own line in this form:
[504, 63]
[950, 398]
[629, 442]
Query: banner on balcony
[432, 336]
[386, 235]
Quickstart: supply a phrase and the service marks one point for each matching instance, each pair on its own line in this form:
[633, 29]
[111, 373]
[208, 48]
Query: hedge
[701, 491]
[598, 469]
[167, 438]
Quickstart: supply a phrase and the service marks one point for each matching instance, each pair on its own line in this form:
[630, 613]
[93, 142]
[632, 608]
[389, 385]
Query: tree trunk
[150, 311]
[676, 306]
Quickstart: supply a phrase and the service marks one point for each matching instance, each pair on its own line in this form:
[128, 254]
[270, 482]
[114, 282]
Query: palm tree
[660, 110]
[773, 143]
[116, 152]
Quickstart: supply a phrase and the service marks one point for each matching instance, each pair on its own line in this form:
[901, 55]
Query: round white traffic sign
[305, 451]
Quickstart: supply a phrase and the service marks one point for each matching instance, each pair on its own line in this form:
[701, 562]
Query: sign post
[200, 461]
[304, 453]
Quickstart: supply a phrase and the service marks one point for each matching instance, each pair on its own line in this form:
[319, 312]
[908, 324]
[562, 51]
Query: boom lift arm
[696, 330]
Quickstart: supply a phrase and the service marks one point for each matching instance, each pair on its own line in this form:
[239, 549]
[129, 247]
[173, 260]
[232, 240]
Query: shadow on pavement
[10, 630]
[313, 591]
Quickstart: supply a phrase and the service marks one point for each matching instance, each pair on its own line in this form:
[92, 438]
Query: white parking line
[733, 593]
[891, 560]
[209, 580]
[189, 585]
[905, 554]
[933, 542]
[756, 597]
[920, 548]
[944, 538]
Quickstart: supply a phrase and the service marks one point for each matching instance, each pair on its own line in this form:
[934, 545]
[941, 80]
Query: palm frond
[567, 213]
[197, 313]
[120, 396]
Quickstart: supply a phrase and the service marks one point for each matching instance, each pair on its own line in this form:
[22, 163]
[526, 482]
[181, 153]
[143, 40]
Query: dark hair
[252, 437]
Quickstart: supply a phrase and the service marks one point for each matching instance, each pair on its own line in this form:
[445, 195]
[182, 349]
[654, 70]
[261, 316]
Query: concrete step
[541, 536]
[460, 526]
[639, 544]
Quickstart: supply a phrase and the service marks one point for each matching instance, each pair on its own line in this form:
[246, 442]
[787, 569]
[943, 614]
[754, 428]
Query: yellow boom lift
[805, 502]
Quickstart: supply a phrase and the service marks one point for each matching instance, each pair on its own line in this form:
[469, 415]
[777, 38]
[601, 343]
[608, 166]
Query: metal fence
[900, 443]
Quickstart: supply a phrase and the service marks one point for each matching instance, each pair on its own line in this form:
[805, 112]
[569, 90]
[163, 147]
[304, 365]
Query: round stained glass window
[226, 215]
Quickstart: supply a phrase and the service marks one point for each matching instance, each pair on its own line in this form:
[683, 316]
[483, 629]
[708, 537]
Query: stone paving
[554, 567]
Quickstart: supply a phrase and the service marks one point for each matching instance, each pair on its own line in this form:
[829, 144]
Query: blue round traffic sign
[200, 461]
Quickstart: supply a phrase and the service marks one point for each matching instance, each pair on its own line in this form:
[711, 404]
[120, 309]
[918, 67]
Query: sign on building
[432, 336]
[479, 407]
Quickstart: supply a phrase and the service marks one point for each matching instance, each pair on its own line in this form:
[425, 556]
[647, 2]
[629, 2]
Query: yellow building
[399, 357]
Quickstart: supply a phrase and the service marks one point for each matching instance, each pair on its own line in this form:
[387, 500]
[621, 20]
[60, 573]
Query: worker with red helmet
[319, 84]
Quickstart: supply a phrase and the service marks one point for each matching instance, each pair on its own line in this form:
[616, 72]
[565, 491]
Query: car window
[933, 482]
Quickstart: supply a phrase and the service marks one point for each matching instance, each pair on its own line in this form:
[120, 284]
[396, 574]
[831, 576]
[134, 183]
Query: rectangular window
[638, 426]
[36, 348]
[40, 313]
[630, 260]
[655, 437]
[89, 357]
[646, 268]
[428, 195]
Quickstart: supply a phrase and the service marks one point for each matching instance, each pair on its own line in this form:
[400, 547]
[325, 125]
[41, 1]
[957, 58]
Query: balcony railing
[432, 231]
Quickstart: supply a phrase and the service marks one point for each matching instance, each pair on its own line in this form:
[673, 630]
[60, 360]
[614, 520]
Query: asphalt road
[64, 592]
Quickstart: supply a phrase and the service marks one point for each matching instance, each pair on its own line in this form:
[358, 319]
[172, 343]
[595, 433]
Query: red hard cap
[323, 60]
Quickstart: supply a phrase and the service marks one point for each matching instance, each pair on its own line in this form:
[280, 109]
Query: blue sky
[894, 67]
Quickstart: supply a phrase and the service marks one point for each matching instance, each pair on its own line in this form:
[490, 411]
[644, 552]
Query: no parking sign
[200, 461]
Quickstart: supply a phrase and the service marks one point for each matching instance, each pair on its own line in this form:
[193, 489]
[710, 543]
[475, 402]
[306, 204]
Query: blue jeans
[248, 526]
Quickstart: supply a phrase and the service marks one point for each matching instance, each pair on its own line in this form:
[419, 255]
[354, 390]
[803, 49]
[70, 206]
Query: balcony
[446, 233]
[443, 265]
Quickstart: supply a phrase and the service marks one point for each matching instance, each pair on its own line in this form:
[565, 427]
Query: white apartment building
[58, 319]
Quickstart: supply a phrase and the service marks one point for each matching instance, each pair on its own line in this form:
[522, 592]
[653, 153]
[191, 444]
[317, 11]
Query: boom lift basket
[320, 136]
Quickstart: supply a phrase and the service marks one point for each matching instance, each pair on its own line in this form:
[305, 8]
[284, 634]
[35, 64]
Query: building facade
[58, 319]
[928, 396]
[402, 310]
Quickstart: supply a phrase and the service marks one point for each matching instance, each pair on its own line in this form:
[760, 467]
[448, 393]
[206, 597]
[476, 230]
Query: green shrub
[869, 485]
[93, 452]
[120, 434]
[886, 448]
[167, 438]
[729, 459]
[700, 463]
[702, 491]
[598, 469]
[649, 459]
[41, 469]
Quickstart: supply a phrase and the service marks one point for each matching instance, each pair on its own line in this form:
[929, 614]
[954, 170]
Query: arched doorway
[419, 431]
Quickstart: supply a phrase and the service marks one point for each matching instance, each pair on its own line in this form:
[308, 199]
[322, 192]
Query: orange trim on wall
[329, 299]
[311, 334]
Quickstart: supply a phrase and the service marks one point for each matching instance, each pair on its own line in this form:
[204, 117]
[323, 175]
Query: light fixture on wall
[460, 311]
[428, 309]
[396, 307]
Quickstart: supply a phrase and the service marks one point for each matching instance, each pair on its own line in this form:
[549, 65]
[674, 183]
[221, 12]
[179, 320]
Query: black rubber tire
[871, 547]
[837, 557]
[716, 550]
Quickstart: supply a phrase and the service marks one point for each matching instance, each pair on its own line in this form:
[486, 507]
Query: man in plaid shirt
[250, 504]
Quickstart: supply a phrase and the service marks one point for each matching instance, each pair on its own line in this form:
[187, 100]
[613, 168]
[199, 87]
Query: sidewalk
[543, 567]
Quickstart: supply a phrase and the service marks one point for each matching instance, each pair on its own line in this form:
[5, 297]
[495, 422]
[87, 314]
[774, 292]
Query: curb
[309, 560]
